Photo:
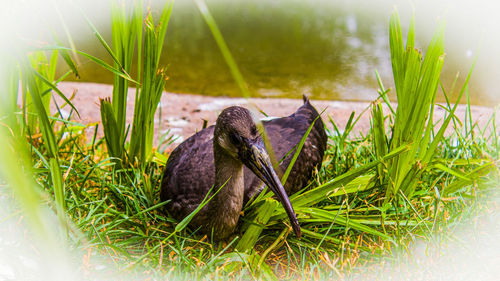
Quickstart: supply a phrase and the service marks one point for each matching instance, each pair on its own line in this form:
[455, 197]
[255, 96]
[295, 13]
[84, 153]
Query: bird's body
[202, 161]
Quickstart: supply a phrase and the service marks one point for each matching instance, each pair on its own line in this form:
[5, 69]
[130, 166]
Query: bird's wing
[189, 172]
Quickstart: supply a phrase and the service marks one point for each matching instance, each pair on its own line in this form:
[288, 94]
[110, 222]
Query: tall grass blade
[66, 56]
[96, 60]
[379, 138]
[297, 152]
[254, 230]
[208, 197]
[416, 79]
[55, 89]
[110, 128]
[149, 95]
[50, 143]
[15, 172]
[219, 39]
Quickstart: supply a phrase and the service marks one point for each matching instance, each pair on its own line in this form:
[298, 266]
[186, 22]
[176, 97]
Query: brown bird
[231, 154]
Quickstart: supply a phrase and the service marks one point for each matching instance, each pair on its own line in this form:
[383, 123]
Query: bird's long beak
[257, 159]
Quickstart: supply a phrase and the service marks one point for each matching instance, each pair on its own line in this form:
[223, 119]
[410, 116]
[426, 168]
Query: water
[284, 49]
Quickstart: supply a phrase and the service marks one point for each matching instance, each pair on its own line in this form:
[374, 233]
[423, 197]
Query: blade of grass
[317, 194]
[219, 39]
[96, 60]
[49, 139]
[55, 89]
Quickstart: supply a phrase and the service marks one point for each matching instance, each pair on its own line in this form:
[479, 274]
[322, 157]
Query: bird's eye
[235, 139]
[253, 130]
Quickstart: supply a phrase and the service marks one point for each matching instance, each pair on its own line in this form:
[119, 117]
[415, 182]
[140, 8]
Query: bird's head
[238, 135]
[235, 130]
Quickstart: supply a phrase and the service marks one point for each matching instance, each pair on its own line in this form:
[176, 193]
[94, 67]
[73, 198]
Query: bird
[230, 160]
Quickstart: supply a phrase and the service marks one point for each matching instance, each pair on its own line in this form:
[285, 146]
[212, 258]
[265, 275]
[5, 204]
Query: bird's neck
[230, 187]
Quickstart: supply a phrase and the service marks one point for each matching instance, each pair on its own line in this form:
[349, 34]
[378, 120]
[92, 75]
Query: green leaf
[253, 232]
[317, 194]
[54, 87]
[98, 61]
[469, 178]
[328, 217]
[208, 197]
[110, 127]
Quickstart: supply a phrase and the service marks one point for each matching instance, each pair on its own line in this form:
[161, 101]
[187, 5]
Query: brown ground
[183, 114]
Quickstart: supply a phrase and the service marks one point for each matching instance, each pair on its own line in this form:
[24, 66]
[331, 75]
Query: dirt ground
[183, 114]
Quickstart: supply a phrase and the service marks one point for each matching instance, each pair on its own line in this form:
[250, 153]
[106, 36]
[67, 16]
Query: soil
[183, 114]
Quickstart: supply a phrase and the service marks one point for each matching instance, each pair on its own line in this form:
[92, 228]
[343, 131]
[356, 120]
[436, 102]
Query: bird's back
[285, 134]
[190, 170]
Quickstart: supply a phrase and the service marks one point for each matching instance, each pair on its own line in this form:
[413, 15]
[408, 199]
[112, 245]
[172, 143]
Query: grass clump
[416, 79]
[37, 76]
[127, 32]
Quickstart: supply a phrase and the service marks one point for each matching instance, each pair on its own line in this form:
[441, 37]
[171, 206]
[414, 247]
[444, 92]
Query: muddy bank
[183, 114]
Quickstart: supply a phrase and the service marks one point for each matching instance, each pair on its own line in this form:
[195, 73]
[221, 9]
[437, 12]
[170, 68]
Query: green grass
[374, 196]
[121, 222]
[127, 33]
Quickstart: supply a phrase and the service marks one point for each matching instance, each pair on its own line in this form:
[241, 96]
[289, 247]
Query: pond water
[285, 49]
